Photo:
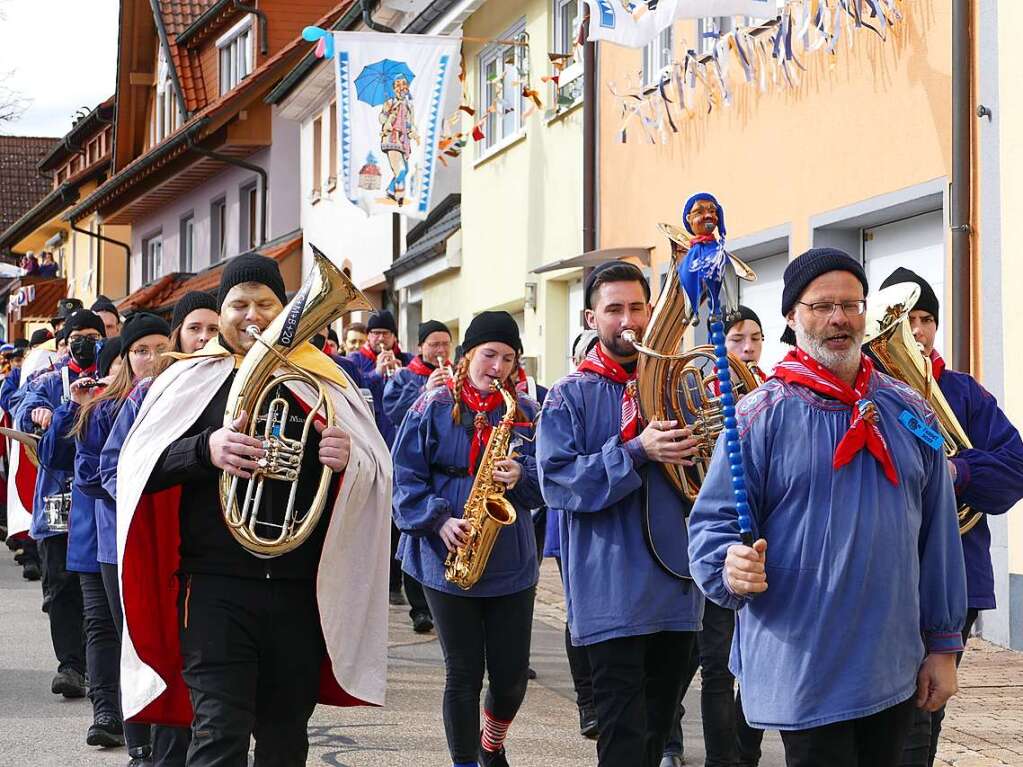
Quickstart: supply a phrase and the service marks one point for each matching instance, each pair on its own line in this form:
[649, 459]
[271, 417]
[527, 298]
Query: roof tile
[21, 185]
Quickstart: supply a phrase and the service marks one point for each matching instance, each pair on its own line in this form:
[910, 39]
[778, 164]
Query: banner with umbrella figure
[391, 94]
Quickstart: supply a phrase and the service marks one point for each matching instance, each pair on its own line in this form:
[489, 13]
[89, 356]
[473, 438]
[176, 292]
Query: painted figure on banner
[397, 132]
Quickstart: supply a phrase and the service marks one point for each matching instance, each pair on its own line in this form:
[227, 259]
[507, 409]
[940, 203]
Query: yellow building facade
[521, 193]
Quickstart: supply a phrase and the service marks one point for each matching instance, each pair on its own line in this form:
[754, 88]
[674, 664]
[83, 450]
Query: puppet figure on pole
[707, 271]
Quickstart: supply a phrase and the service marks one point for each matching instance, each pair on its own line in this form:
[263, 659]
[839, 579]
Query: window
[235, 51]
[317, 157]
[711, 29]
[165, 118]
[218, 230]
[501, 70]
[332, 140]
[152, 258]
[657, 55]
[567, 18]
[187, 261]
[248, 226]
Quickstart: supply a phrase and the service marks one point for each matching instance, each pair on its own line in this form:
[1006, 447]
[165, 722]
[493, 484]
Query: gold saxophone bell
[486, 509]
[889, 340]
[326, 294]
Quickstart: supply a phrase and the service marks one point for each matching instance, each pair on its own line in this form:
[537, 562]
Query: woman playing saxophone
[450, 445]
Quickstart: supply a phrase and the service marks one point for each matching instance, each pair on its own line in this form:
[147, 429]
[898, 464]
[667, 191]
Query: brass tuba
[486, 508]
[681, 387]
[889, 340]
[326, 294]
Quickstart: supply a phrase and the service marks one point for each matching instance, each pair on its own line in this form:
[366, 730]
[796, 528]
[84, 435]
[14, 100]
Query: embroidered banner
[634, 23]
[391, 94]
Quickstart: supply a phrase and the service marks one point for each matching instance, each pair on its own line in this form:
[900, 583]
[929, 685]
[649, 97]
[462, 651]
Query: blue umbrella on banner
[376, 82]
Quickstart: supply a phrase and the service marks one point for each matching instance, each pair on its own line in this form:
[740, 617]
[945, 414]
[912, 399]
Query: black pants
[922, 741]
[62, 601]
[871, 741]
[579, 666]
[636, 683]
[102, 648]
[252, 652]
[727, 737]
[478, 633]
[413, 588]
[172, 742]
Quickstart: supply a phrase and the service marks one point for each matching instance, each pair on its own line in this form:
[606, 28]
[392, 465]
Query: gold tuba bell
[326, 294]
[680, 387]
[889, 340]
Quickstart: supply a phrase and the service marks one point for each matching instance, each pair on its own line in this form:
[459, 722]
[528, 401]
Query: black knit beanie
[807, 268]
[928, 301]
[382, 320]
[83, 319]
[431, 326]
[40, 336]
[252, 267]
[140, 325]
[744, 313]
[492, 326]
[110, 352]
[194, 299]
[20, 343]
[103, 304]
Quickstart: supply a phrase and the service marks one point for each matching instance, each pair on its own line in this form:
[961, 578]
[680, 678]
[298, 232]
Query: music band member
[400, 393]
[988, 477]
[62, 591]
[599, 473]
[244, 646]
[853, 514]
[355, 337]
[104, 308]
[727, 737]
[437, 455]
[194, 322]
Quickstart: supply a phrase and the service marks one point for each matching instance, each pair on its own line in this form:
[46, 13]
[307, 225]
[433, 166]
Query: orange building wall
[864, 122]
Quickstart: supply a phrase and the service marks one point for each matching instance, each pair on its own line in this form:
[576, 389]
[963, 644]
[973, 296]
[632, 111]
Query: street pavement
[984, 725]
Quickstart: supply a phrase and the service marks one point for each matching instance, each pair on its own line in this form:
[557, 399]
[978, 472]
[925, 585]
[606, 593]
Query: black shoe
[70, 684]
[30, 572]
[493, 758]
[140, 756]
[422, 623]
[106, 731]
[530, 674]
[397, 598]
[588, 727]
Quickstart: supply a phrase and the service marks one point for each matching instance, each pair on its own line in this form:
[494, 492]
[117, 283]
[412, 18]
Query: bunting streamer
[634, 23]
[768, 55]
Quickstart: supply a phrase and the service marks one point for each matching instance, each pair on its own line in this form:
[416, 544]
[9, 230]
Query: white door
[917, 243]
[764, 297]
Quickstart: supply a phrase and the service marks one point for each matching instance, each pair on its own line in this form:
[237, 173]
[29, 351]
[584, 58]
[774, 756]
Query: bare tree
[13, 103]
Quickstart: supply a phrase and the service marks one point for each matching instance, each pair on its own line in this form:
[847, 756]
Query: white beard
[845, 364]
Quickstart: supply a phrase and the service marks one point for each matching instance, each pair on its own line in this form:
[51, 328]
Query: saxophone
[486, 509]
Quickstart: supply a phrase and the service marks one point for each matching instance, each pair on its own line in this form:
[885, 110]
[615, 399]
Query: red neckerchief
[598, 362]
[937, 364]
[480, 404]
[420, 367]
[800, 368]
[522, 384]
[367, 351]
[703, 238]
[79, 370]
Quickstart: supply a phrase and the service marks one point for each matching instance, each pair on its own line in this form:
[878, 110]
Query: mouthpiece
[253, 331]
[630, 336]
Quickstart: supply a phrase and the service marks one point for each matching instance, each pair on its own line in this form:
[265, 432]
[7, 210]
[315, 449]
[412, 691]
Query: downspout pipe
[99, 269]
[264, 183]
[264, 42]
[590, 107]
[962, 184]
[165, 42]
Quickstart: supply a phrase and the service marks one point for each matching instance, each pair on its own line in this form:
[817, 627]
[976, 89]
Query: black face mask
[83, 350]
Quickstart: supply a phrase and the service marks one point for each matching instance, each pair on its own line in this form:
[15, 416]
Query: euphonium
[325, 295]
[486, 509]
[682, 387]
[889, 340]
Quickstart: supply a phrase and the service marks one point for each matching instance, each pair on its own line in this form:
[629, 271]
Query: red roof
[21, 185]
[177, 15]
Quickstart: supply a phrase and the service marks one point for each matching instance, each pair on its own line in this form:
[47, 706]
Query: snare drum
[57, 510]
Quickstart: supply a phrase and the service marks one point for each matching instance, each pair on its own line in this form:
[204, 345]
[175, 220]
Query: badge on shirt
[923, 432]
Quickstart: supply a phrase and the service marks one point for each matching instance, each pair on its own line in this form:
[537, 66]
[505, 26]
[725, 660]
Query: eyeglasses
[145, 351]
[824, 309]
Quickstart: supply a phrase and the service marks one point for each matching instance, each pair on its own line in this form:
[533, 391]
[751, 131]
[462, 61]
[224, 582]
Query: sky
[61, 55]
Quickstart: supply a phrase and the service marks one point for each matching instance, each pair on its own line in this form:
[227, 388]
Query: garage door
[917, 243]
[764, 297]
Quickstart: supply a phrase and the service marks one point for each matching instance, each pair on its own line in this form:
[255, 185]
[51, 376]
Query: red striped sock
[494, 732]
